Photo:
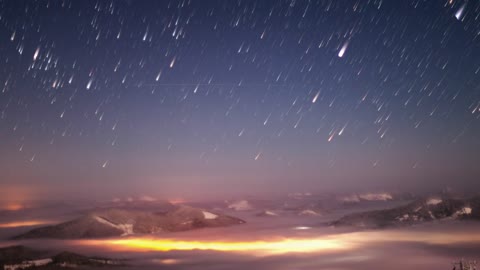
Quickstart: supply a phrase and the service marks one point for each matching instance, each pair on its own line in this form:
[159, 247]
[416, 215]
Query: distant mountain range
[115, 221]
[419, 211]
[314, 205]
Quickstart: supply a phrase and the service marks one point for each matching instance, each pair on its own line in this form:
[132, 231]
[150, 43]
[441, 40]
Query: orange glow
[259, 247]
[23, 223]
[177, 201]
[167, 261]
[318, 244]
[14, 197]
[12, 207]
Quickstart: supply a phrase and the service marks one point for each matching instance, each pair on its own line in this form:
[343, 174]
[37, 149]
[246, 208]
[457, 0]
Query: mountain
[13, 254]
[357, 198]
[139, 204]
[242, 205]
[73, 260]
[120, 222]
[21, 257]
[425, 210]
[266, 213]
[308, 212]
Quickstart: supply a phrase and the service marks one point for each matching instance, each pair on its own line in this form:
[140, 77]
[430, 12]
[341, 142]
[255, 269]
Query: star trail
[181, 98]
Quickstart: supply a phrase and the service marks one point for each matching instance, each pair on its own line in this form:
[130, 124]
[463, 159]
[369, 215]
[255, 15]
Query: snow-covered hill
[20, 257]
[120, 222]
[424, 210]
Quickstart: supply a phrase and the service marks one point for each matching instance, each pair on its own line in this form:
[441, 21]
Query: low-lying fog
[283, 242]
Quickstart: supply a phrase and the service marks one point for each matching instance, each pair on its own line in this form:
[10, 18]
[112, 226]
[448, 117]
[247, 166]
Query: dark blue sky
[184, 98]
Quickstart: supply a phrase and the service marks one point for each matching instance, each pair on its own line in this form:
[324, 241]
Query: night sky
[196, 98]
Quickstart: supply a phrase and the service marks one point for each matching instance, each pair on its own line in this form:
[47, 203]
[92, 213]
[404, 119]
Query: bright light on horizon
[261, 247]
[25, 223]
[278, 246]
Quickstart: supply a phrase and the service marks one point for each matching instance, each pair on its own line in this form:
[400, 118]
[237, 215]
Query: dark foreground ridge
[122, 221]
[21, 257]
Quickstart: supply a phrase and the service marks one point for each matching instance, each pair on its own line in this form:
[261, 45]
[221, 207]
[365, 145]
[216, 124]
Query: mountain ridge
[417, 212]
[113, 222]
